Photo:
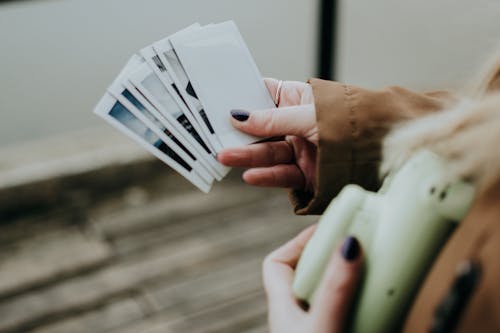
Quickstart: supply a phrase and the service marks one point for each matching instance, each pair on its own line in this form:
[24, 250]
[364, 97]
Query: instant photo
[137, 108]
[150, 86]
[121, 118]
[175, 97]
[152, 113]
[121, 87]
[224, 76]
[162, 73]
[169, 59]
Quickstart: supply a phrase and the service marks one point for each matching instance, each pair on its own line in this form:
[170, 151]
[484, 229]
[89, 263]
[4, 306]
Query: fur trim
[468, 135]
[487, 80]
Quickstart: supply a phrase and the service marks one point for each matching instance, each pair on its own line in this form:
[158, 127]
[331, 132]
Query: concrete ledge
[69, 171]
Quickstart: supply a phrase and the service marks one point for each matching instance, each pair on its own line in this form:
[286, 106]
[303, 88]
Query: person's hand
[289, 162]
[331, 305]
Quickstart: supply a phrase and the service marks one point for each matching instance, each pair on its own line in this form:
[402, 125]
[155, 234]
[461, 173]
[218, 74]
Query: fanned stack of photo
[174, 98]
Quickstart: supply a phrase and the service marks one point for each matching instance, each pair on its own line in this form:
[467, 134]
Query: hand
[291, 161]
[330, 308]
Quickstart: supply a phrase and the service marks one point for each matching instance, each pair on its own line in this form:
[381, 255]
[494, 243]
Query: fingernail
[240, 115]
[350, 249]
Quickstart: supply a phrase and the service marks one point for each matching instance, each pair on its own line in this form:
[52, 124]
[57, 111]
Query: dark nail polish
[240, 115]
[350, 249]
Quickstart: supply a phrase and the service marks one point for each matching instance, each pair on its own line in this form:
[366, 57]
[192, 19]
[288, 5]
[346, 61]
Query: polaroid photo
[224, 76]
[172, 131]
[121, 88]
[125, 92]
[124, 96]
[158, 67]
[171, 141]
[168, 57]
[125, 121]
[154, 91]
[131, 66]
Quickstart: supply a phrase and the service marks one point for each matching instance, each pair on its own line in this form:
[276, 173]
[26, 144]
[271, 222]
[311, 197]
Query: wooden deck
[152, 257]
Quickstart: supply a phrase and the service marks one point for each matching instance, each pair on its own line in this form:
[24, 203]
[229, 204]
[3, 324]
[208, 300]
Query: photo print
[150, 86]
[121, 118]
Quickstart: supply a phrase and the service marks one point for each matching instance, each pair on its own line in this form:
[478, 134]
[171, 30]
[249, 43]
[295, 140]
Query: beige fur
[468, 135]
[482, 84]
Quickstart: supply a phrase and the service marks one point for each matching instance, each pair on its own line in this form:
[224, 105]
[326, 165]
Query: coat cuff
[334, 160]
[351, 123]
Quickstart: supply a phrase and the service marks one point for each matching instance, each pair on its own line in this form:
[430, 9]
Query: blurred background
[96, 236]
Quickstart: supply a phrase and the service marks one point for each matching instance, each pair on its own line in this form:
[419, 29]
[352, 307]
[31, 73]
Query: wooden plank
[238, 315]
[202, 291]
[153, 324]
[174, 209]
[258, 329]
[168, 262]
[101, 319]
[47, 258]
[212, 223]
[198, 288]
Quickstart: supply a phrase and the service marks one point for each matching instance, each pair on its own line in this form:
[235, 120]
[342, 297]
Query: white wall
[57, 57]
[422, 44]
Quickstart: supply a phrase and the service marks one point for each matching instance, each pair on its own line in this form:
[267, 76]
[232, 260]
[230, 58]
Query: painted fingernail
[240, 115]
[350, 249]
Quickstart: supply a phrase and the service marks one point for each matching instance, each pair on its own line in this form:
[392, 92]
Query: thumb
[299, 120]
[333, 298]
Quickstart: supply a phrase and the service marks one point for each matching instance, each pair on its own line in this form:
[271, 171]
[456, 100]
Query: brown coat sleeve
[351, 123]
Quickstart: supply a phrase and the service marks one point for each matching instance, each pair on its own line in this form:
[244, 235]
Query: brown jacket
[352, 123]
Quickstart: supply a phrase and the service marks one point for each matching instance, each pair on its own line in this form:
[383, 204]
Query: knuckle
[270, 153]
[267, 265]
[268, 260]
[268, 123]
[342, 287]
[276, 177]
[340, 283]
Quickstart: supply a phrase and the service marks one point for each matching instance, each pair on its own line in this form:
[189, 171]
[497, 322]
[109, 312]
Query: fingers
[278, 269]
[333, 297]
[257, 155]
[282, 175]
[290, 163]
[297, 120]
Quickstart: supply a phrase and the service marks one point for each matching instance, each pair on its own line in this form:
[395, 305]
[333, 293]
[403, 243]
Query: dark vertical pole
[327, 38]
